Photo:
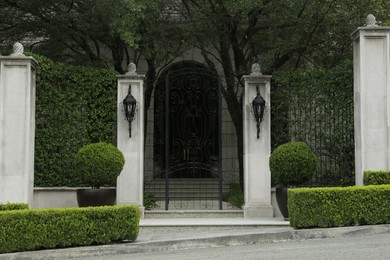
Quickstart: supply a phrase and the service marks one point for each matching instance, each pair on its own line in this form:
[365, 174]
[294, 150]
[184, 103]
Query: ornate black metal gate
[187, 137]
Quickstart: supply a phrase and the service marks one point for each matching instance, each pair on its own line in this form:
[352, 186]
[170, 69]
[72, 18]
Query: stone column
[17, 126]
[257, 148]
[131, 180]
[371, 47]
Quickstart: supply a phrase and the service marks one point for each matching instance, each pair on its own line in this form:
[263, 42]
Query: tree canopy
[101, 33]
[231, 35]
[277, 33]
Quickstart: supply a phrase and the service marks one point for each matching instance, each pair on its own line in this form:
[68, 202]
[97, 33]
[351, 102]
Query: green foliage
[23, 230]
[235, 196]
[13, 206]
[74, 106]
[376, 177]
[341, 206]
[73, 31]
[292, 164]
[316, 106]
[280, 34]
[99, 164]
[150, 201]
[91, 32]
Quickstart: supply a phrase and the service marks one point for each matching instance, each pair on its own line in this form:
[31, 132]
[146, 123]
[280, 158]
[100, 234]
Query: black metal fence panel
[187, 139]
[317, 107]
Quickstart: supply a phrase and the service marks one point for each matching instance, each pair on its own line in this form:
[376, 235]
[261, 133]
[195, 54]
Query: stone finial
[371, 21]
[18, 49]
[256, 69]
[131, 68]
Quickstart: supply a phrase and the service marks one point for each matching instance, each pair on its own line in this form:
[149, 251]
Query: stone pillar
[257, 149]
[371, 47]
[17, 126]
[131, 180]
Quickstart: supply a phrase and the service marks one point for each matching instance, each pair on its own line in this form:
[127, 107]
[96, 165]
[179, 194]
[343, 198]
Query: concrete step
[181, 225]
[201, 185]
[170, 214]
[186, 185]
[191, 204]
[185, 191]
[190, 193]
[193, 181]
[186, 194]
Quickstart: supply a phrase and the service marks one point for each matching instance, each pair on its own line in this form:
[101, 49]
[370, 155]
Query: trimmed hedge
[376, 177]
[341, 206]
[13, 206]
[75, 106]
[23, 230]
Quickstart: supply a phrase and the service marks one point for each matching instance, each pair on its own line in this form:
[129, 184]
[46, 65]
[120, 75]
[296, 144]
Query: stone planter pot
[96, 197]
[281, 198]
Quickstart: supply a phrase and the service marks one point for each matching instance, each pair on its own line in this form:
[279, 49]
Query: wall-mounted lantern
[258, 105]
[129, 106]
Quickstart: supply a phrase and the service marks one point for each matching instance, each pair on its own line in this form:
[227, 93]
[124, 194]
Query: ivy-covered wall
[316, 106]
[74, 106]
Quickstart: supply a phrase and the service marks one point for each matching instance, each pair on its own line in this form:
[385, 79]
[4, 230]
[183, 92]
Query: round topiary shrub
[99, 164]
[292, 164]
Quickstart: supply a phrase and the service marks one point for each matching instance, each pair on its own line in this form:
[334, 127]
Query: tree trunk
[234, 105]
[149, 86]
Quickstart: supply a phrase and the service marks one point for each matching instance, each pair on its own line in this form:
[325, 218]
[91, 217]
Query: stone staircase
[158, 222]
[194, 207]
[188, 194]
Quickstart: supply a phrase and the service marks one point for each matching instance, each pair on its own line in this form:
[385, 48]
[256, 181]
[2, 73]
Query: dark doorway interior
[187, 122]
[187, 138]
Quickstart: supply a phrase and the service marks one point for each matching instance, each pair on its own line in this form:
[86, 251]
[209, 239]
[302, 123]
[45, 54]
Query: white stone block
[131, 180]
[371, 99]
[17, 128]
[257, 177]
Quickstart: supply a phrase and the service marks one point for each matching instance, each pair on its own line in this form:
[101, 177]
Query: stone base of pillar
[141, 211]
[261, 211]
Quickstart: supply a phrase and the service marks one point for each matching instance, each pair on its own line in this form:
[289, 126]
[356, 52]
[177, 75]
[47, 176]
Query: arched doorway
[187, 136]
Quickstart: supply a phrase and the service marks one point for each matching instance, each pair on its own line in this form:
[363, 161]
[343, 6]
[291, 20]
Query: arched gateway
[187, 138]
[185, 156]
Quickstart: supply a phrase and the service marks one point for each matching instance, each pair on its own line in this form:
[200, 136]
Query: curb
[202, 240]
[341, 232]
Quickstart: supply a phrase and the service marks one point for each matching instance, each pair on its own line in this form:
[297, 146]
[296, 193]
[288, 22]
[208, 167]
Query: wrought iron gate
[187, 137]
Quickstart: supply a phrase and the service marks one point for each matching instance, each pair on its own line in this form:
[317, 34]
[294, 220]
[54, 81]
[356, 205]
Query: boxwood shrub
[341, 206]
[22, 230]
[99, 164]
[292, 164]
[376, 177]
[13, 206]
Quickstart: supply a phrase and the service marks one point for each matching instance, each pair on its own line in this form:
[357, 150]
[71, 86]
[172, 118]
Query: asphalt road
[372, 247]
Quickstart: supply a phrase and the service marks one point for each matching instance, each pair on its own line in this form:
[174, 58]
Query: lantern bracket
[258, 106]
[129, 107]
